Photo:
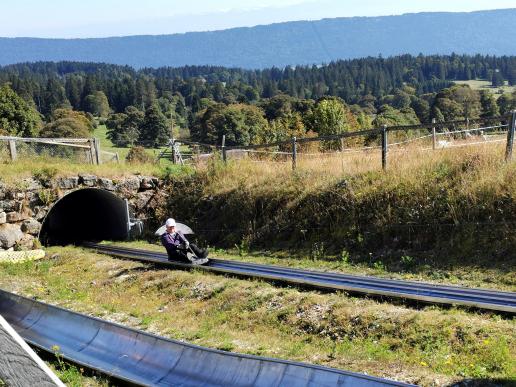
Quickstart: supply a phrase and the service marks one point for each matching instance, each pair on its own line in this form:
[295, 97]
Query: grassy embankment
[428, 346]
[430, 209]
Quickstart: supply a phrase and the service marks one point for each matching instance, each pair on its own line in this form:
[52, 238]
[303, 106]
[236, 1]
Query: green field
[108, 146]
[478, 84]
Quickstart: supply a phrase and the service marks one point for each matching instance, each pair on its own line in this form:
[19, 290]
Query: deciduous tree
[17, 117]
[67, 123]
[241, 124]
[97, 104]
[124, 128]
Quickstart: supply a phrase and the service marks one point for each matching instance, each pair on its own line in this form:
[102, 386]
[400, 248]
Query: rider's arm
[182, 237]
[169, 243]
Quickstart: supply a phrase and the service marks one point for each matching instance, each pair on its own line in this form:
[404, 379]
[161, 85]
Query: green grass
[478, 84]
[13, 173]
[414, 345]
[72, 375]
[106, 145]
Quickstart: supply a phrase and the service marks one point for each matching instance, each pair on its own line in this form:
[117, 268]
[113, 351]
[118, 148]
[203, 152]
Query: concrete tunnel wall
[88, 214]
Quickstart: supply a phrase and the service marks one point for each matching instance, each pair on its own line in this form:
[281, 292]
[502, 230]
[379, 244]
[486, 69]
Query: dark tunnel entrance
[89, 214]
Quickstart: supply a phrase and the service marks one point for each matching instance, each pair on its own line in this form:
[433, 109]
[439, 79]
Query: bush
[66, 123]
[45, 174]
[137, 155]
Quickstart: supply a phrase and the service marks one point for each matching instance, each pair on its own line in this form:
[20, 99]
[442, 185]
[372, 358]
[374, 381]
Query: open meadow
[497, 91]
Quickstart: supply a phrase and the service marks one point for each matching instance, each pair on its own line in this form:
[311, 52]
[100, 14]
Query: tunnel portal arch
[88, 214]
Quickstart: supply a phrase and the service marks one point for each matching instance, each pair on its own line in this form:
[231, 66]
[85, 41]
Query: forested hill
[364, 80]
[282, 44]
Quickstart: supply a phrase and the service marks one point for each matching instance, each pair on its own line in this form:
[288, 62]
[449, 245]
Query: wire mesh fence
[109, 157]
[74, 150]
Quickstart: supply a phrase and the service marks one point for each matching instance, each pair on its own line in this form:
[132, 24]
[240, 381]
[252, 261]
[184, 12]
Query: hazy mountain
[303, 42]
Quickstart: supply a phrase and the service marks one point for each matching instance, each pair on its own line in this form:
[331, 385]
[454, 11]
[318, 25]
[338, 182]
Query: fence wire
[74, 150]
[368, 149]
[75, 153]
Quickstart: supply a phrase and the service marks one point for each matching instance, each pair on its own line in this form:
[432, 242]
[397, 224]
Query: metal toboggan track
[143, 359]
[412, 290]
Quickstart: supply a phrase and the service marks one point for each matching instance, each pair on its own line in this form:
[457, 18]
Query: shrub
[66, 123]
[137, 155]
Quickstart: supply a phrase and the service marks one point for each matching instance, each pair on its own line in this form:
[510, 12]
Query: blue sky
[100, 18]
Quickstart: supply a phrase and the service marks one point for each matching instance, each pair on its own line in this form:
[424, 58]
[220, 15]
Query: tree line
[247, 106]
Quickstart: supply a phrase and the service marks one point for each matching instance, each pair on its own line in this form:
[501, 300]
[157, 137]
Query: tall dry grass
[479, 164]
[13, 172]
[457, 200]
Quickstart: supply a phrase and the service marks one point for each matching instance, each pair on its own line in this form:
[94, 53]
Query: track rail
[144, 359]
[419, 291]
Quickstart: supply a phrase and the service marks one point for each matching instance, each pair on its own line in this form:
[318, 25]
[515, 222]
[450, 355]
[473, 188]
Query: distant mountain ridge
[282, 44]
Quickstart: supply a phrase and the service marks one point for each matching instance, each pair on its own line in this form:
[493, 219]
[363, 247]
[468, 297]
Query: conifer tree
[154, 130]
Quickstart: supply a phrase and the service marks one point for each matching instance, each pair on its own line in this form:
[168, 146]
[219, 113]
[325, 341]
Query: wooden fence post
[384, 147]
[96, 143]
[510, 137]
[173, 149]
[294, 153]
[434, 139]
[92, 151]
[12, 150]
[224, 156]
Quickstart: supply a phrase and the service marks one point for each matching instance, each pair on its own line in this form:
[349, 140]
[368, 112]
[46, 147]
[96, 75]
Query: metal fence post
[434, 139]
[12, 150]
[294, 153]
[384, 147]
[224, 156]
[510, 137]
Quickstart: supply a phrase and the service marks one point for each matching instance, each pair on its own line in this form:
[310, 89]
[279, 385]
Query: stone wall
[24, 205]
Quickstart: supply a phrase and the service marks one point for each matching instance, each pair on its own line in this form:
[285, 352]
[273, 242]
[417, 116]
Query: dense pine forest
[250, 106]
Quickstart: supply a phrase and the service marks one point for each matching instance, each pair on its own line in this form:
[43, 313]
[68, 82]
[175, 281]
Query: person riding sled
[179, 248]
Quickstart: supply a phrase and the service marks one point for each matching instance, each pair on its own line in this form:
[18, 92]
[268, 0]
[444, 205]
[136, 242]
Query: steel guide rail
[141, 358]
[419, 291]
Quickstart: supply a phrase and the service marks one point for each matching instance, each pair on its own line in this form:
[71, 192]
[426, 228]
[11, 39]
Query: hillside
[442, 217]
[292, 43]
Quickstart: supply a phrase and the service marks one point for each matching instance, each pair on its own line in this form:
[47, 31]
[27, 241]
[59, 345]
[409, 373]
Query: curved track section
[144, 359]
[420, 291]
